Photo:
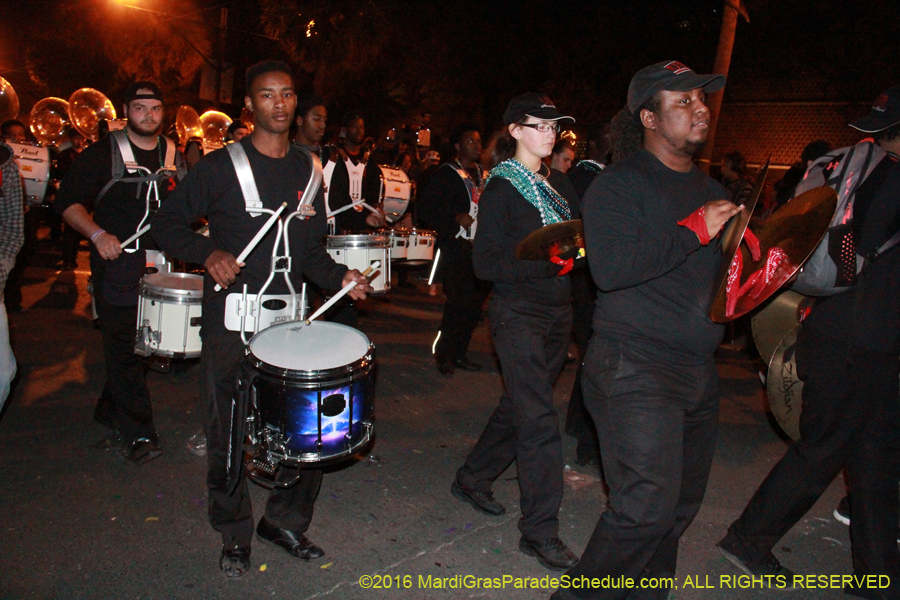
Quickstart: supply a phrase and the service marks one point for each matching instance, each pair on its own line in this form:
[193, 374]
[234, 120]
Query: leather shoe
[466, 365]
[483, 502]
[141, 451]
[294, 544]
[235, 562]
[551, 553]
[445, 367]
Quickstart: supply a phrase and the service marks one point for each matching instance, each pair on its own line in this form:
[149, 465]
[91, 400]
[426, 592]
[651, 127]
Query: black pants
[578, 421]
[125, 401]
[531, 342]
[850, 417]
[657, 422]
[465, 297]
[231, 514]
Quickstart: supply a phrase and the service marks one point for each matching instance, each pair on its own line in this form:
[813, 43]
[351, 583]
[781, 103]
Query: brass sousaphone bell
[49, 120]
[187, 124]
[87, 107]
[9, 101]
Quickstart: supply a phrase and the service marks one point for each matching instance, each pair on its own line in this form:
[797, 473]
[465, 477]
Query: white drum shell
[359, 252]
[34, 168]
[169, 315]
[421, 246]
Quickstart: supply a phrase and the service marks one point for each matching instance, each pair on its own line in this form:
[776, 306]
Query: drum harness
[241, 307]
[474, 190]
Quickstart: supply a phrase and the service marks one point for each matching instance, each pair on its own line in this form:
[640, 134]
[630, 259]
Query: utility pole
[721, 66]
[223, 27]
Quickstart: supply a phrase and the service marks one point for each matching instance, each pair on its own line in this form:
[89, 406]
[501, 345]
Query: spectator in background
[236, 131]
[11, 238]
[562, 156]
[735, 177]
[15, 131]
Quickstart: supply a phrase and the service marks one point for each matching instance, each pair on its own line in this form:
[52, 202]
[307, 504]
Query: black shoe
[142, 451]
[768, 565]
[294, 544]
[551, 553]
[591, 461]
[483, 502]
[465, 364]
[235, 562]
[445, 367]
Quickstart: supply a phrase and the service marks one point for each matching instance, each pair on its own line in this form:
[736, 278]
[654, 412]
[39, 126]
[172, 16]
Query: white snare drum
[399, 242]
[168, 322]
[312, 393]
[421, 247]
[359, 251]
[34, 167]
[395, 193]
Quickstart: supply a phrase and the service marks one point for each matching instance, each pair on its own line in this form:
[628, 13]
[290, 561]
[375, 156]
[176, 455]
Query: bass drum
[395, 192]
[311, 395]
[34, 167]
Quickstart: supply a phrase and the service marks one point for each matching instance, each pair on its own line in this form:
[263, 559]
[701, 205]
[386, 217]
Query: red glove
[566, 264]
[696, 222]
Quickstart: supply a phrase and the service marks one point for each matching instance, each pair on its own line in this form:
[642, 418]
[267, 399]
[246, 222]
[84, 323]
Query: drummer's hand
[717, 214]
[222, 267]
[108, 246]
[362, 284]
[375, 219]
[464, 219]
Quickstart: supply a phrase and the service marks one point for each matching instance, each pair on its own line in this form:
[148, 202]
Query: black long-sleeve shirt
[352, 220]
[655, 278]
[212, 190]
[445, 197]
[505, 218]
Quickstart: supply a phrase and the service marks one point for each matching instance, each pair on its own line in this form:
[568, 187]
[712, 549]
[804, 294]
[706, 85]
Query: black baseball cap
[534, 105]
[885, 113]
[668, 75]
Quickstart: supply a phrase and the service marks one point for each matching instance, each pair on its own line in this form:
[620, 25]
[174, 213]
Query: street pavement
[80, 523]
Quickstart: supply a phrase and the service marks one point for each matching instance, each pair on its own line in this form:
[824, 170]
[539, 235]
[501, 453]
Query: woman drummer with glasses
[530, 319]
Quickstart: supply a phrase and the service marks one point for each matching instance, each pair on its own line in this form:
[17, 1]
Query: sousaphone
[49, 120]
[87, 107]
[215, 127]
[9, 101]
[187, 124]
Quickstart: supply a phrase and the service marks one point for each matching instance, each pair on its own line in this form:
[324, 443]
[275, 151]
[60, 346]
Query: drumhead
[179, 287]
[319, 346]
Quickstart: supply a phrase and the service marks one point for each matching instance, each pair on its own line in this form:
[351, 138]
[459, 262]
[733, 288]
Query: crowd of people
[644, 408]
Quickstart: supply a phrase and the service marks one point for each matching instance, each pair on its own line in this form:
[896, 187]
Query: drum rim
[375, 242]
[172, 295]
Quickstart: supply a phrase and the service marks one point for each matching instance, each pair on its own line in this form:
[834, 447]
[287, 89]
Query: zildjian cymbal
[795, 230]
[783, 387]
[558, 239]
[777, 316]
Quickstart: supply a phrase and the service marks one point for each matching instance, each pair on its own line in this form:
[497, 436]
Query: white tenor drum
[399, 242]
[34, 168]
[359, 251]
[421, 247]
[168, 322]
[395, 193]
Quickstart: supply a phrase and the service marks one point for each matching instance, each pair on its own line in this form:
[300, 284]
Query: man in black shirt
[310, 122]
[118, 208]
[847, 357]
[650, 380]
[212, 189]
[450, 205]
[354, 178]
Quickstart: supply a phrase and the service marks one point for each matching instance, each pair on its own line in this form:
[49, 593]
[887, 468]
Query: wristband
[97, 234]
[696, 222]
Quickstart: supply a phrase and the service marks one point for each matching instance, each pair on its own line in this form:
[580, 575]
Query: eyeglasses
[542, 127]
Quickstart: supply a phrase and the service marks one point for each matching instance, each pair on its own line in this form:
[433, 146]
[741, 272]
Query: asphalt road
[80, 523]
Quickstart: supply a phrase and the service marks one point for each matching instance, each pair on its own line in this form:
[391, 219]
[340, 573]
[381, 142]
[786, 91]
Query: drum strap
[252, 202]
[240, 406]
[124, 160]
[355, 174]
[327, 174]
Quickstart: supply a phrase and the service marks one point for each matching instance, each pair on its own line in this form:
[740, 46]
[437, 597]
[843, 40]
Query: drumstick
[139, 233]
[353, 205]
[437, 257]
[344, 291]
[259, 235]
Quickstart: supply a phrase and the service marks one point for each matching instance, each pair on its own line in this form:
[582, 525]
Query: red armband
[696, 222]
[566, 264]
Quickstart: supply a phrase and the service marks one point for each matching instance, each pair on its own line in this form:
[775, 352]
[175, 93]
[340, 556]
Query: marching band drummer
[93, 182]
[530, 318]
[212, 189]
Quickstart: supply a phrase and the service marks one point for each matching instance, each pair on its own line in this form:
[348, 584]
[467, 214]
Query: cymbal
[734, 233]
[551, 240]
[777, 316]
[783, 386]
[796, 228]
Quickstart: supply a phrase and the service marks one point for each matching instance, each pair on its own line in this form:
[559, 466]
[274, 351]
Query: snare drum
[395, 193]
[168, 322]
[421, 247]
[399, 242]
[312, 392]
[157, 262]
[359, 251]
[34, 167]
